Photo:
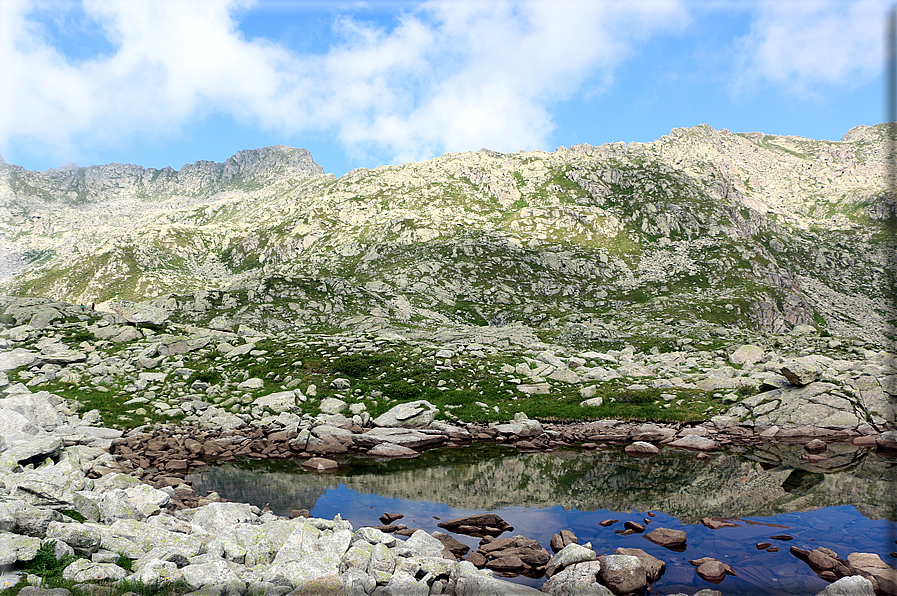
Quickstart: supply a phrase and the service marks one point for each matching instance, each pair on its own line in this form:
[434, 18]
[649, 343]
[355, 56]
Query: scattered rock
[667, 538]
[641, 449]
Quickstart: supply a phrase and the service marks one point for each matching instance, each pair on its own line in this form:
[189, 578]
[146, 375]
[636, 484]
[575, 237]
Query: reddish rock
[485, 523]
[800, 553]
[667, 538]
[478, 559]
[388, 518]
[641, 449]
[406, 531]
[525, 445]
[784, 537]
[319, 464]
[299, 513]
[864, 441]
[763, 545]
[607, 522]
[653, 566]
[455, 547]
[634, 526]
[821, 561]
[176, 465]
[713, 571]
[715, 523]
[815, 446]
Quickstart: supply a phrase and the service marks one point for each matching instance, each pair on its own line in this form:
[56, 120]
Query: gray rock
[520, 427]
[82, 570]
[33, 521]
[357, 583]
[213, 574]
[83, 538]
[309, 553]
[403, 584]
[572, 554]
[887, 441]
[579, 579]
[392, 450]
[282, 401]
[413, 414]
[747, 354]
[35, 450]
[469, 581]
[16, 358]
[801, 371]
[410, 438]
[158, 571]
[14, 548]
[697, 443]
[852, 585]
[592, 402]
[422, 544]
[36, 408]
[622, 573]
[215, 516]
[332, 405]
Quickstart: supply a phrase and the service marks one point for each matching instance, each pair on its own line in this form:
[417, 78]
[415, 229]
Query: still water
[846, 503]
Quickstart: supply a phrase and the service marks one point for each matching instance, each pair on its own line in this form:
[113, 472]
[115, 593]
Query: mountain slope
[697, 230]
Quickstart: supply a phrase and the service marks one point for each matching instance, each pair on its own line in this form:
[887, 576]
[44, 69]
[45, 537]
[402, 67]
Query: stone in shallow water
[667, 538]
[695, 442]
[622, 573]
[319, 464]
[392, 450]
[641, 449]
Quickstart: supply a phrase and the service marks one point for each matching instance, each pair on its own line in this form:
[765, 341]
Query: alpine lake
[846, 503]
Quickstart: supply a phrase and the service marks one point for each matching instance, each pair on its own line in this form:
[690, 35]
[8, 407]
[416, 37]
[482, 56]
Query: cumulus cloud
[448, 75]
[804, 45]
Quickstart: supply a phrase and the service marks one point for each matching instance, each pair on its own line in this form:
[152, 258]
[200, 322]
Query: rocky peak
[247, 170]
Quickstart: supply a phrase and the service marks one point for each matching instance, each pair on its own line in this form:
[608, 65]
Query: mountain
[699, 230]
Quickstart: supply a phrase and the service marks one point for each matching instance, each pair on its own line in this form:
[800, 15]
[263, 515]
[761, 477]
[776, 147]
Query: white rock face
[408, 415]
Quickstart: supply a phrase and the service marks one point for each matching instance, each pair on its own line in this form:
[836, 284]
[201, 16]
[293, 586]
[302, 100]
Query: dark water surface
[847, 503]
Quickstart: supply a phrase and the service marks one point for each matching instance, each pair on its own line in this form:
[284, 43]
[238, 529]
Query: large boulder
[309, 553]
[580, 579]
[622, 573]
[16, 358]
[852, 585]
[15, 548]
[84, 570]
[521, 426]
[413, 414]
[36, 407]
[747, 354]
[215, 516]
[411, 438]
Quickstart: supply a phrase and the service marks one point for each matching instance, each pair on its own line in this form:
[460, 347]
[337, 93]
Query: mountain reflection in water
[845, 504]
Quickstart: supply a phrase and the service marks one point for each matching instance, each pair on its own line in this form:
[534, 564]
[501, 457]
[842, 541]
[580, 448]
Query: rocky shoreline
[129, 489]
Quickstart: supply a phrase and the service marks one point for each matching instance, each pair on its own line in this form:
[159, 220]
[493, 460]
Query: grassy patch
[46, 565]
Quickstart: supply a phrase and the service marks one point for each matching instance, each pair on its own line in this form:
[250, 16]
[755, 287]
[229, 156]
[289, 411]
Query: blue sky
[167, 82]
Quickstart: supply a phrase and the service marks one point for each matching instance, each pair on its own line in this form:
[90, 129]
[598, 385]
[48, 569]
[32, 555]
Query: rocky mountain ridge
[698, 229]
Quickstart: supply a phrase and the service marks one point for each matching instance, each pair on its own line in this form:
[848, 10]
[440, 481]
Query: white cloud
[450, 75]
[804, 45]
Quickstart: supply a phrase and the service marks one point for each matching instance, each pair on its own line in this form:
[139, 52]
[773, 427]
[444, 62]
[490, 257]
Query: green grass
[45, 564]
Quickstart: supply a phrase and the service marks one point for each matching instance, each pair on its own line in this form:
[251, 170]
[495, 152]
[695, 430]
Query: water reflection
[845, 504]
